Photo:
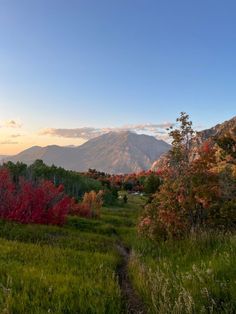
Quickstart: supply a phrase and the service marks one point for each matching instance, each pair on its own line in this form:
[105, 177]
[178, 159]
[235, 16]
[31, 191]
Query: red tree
[27, 203]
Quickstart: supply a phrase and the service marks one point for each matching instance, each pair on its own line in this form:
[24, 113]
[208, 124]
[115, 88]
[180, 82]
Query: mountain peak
[218, 130]
[214, 133]
[113, 152]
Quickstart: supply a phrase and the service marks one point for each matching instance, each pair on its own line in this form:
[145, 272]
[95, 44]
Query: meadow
[190, 276]
[45, 269]
[74, 269]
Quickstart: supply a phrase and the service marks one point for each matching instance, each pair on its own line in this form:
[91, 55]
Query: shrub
[94, 202]
[28, 203]
[79, 209]
[152, 183]
[197, 192]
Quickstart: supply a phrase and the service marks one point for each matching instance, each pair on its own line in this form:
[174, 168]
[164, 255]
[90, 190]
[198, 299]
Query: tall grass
[41, 279]
[46, 269]
[195, 275]
[72, 269]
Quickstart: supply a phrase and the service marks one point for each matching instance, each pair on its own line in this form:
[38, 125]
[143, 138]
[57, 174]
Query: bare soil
[133, 303]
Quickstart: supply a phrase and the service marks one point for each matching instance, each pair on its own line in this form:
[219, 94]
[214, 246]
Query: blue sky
[110, 63]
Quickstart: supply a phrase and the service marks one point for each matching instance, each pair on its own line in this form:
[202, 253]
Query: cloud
[87, 133]
[165, 137]
[150, 127]
[15, 135]
[12, 124]
[9, 142]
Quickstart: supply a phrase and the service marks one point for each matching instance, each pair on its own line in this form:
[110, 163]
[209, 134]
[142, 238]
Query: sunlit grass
[58, 270]
[41, 278]
[196, 275]
[72, 269]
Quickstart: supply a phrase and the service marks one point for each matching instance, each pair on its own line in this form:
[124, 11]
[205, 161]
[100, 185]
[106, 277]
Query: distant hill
[2, 157]
[216, 132]
[114, 152]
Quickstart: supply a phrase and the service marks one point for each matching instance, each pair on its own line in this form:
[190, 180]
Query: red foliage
[7, 189]
[133, 182]
[27, 203]
[200, 194]
[80, 209]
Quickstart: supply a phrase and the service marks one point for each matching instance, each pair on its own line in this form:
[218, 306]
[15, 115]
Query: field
[103, 266]
[192, 276]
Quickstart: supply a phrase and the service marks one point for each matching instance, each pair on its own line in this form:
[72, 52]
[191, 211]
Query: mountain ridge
[218, 131]
[113, 152]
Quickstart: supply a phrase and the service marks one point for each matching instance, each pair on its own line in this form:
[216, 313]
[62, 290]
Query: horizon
[162, 135]
[70, 72]
[76, 146]
[166, 140]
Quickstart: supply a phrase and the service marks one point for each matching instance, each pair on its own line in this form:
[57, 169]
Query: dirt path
[132, 301]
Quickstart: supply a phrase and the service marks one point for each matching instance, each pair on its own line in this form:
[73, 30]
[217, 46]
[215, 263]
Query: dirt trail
[132, 301]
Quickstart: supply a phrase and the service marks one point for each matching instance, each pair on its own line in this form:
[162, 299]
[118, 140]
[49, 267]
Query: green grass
[40, 279]
[58, 270]
[195, 275]
[72, 269]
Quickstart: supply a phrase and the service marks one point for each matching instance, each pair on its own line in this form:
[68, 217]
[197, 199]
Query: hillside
[114, 152]
[83, 267]
[218, 131]
[2, 157]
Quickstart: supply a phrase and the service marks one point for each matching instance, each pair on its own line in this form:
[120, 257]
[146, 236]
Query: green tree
[152, 183]
[182, 136]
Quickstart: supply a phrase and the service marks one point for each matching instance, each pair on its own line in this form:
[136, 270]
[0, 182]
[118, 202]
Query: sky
[74, 69]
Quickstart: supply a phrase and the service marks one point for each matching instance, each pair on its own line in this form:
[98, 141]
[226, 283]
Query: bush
[198, 190]
[79, 209]
[94, 202]
[27, 203]
[152, 183]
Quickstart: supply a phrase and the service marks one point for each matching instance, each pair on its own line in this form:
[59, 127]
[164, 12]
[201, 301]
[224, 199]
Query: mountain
[216, 132]
[113, 152]
[2, 157]
[219, 130]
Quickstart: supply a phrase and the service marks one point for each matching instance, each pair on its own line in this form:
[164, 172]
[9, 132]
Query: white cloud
[15, 135]
[12, 124]
[9, 142]
[86, 133]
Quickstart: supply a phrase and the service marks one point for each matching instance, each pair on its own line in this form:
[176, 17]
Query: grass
[40, 279]
[72, 269]
[195, 275]
[47, 269]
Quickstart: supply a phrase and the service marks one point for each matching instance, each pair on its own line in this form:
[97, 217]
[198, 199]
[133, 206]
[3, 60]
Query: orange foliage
[94, 202]
[199, 196]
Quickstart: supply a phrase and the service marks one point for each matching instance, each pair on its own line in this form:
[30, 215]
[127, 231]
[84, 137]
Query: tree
[182, 137]
[27, 202]
[152, 183]
[128, 186]
[94, 202]
[196, 193]
[16, 170]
